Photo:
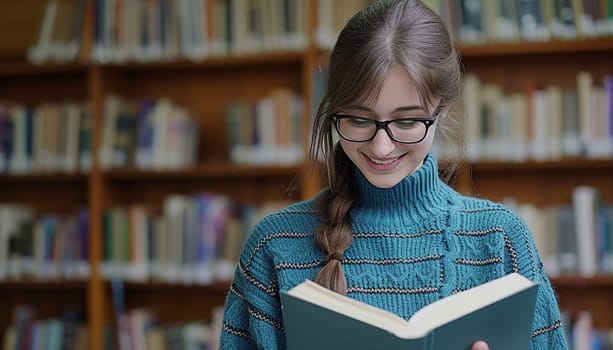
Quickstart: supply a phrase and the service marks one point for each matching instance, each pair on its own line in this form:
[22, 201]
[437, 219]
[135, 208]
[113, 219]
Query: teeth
[382, 162]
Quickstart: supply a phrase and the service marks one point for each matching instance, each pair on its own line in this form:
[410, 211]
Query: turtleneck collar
[418, 196]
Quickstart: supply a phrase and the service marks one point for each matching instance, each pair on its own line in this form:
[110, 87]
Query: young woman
[386, 230]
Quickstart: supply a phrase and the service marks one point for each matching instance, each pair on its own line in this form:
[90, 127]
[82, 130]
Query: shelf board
[176, 287]
[43, 177]
[565, 164]
[209, 171]
[580, 282]
[233, 60]
[20, 69]
[50, 285]
[522, 48]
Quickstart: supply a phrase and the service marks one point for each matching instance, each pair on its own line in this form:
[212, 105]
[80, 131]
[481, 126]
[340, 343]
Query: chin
[391, 179]
[378, 182]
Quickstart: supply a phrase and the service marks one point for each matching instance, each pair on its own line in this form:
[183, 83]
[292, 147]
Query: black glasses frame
[428, 122]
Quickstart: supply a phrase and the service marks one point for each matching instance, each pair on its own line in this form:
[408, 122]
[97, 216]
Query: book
[532, 24]
[505, 26]
[563, 21]
[585, 206]
[499, 312]
[471, 28]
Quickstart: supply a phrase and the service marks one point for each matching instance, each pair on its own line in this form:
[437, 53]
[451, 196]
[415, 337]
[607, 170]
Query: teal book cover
[499, 312]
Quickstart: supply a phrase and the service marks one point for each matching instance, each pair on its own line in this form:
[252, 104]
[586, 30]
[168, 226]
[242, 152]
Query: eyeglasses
[403, 130]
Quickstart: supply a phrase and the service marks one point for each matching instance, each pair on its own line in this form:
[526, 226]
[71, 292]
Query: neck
[417, 197]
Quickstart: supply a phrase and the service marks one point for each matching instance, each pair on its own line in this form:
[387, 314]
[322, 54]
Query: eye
[406, 123]
[360, 122]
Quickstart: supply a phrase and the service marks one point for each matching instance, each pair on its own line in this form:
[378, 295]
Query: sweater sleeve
[523, 257]
[252, 311]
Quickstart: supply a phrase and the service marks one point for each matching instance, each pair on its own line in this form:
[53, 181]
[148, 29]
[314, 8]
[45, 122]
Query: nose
[382, 145]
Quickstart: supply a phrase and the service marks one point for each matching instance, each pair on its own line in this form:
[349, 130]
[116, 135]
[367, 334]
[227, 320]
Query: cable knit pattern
[413, 244]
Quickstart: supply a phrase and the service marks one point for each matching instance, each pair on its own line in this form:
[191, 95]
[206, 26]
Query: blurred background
[140, 140]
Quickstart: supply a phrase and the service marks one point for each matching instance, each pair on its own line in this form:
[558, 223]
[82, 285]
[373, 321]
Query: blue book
[499, 312]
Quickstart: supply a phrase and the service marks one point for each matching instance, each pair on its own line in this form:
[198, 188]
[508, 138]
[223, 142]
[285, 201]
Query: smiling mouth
[383, 162]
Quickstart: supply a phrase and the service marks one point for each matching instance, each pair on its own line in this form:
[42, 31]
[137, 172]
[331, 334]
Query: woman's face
[381, 160]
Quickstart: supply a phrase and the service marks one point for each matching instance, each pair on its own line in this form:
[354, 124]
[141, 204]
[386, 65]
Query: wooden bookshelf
[206, 171]
[577, 294]
[23, 23]
[195, 302]
[579, 282]
[48, 299]
[540, 183]
[531, 165]
[206, 87]
[231, 61]
[53, 178]
[514, 67]
[523, 49]
[24, 69]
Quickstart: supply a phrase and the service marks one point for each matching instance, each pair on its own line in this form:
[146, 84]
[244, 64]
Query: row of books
[196, 239]
[51, 137]
[138, 329]
[150, 134]
[582, 334]
[576, 238]
[540, 123]
[59, 34]
[195, 29]
[47, 247]
[266, 131]
[27, 330]
[332, 17]
[480, 21]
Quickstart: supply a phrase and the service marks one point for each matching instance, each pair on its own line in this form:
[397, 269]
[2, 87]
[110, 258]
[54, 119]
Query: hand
[480, 345]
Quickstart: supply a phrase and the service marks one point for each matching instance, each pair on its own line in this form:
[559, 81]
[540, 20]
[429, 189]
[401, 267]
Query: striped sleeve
[252, 312]
[523, 257]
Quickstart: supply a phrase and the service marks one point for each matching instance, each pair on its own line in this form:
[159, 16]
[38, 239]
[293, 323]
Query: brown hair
[387, 34]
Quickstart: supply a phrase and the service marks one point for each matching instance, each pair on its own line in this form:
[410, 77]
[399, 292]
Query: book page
[455, 306]
[424, 320]
[316, 294]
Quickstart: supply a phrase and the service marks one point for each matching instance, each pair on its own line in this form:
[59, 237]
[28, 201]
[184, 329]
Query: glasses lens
[356, 129]
[401, 130]
[407, 130]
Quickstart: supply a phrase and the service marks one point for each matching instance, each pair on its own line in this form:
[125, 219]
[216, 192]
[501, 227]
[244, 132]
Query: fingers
[480, 345]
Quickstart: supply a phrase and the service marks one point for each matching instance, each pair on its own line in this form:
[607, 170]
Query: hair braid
[335, 235]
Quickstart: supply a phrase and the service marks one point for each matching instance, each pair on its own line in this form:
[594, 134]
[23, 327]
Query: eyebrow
[396, 110]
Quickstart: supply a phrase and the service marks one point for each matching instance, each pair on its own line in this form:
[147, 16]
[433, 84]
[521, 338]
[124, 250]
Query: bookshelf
[547, 182]
[206, 87]
[536, 178]
[551, 183]
[577, 294]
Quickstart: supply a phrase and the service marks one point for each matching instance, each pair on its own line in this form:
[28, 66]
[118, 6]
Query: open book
[500, 312]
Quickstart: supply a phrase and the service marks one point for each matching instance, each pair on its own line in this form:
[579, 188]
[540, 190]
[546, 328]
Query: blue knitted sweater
[413, 244]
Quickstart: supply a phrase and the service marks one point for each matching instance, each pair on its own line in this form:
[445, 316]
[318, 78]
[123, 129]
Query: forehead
[396, 90]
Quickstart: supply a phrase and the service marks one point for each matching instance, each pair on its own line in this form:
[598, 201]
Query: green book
[499, 312]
